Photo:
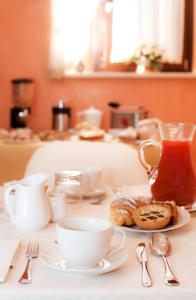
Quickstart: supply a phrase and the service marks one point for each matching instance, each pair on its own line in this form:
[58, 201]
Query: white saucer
[53, 258]
[183, 218]
[100, 191]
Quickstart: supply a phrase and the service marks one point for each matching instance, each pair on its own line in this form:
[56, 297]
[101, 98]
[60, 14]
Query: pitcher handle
[10, 200]
[151, 170]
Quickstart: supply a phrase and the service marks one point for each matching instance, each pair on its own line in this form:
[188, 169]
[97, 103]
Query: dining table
[123, 282]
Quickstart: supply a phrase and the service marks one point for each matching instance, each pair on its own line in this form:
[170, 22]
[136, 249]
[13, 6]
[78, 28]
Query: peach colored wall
[24, 42]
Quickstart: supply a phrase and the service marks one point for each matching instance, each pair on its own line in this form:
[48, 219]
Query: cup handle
[151, 170]
[121, 243]
[10, 200]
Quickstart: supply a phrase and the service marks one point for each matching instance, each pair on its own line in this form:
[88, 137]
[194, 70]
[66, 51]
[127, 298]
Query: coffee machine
[22, 96]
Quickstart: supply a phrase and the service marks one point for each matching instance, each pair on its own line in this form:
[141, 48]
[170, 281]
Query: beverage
[173, 178]
[176, 179]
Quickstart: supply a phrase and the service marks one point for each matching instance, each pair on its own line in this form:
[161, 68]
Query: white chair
[119, 162]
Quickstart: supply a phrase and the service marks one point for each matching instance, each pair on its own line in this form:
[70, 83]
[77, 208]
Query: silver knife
[142, 257]
[13, 262]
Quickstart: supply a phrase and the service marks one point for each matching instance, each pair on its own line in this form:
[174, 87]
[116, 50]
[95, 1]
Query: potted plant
[147, 58]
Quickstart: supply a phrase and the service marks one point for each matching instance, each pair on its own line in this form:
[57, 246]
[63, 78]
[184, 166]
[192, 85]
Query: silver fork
[32, 252]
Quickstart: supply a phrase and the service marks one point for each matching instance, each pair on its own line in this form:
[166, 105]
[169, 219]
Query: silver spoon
[161, 246]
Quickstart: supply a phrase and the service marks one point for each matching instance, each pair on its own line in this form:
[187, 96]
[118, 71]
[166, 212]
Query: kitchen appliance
[22, 96]
[61, 116]
[126, 116]
[19, 116]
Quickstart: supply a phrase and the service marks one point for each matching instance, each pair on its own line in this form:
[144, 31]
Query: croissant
[121, 212]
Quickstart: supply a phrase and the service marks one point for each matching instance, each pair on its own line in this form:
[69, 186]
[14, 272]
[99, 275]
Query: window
[110, 35]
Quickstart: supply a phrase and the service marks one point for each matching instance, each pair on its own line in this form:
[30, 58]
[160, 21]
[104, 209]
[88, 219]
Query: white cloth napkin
[7, 252]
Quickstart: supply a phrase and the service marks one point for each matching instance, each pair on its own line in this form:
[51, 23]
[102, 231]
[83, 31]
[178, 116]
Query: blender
[22, 95]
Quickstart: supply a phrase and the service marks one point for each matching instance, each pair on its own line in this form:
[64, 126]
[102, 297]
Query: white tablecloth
[121, 284]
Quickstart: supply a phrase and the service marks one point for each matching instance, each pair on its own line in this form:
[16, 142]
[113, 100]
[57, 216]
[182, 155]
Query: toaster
[126, 116]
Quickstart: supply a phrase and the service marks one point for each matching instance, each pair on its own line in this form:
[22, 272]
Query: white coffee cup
[91, 178]
[85, 241]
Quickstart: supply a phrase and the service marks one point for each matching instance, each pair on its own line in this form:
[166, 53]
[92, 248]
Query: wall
[24, 40]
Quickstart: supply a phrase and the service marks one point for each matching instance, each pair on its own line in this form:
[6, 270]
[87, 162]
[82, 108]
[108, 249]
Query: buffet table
[123, 283]
[14, 158]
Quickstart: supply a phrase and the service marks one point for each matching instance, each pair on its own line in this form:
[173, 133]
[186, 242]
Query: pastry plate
[193, 208]
[53, 258]
[183, 218]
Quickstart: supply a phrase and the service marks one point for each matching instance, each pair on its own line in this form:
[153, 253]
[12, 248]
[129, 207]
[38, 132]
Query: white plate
[53, 258]
[100, 191]
[193, 208]
[183, 218]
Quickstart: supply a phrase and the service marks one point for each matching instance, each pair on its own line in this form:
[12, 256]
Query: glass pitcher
[173, 178]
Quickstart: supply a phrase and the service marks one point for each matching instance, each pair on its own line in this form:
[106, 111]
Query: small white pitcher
[28, 207]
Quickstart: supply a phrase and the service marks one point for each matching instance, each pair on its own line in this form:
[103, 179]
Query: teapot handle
[10, 200]
[151, 170]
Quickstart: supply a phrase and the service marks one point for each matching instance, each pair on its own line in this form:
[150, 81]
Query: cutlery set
[160, 246]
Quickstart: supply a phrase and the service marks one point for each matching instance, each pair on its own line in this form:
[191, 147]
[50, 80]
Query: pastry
[128, 135]
[121, 212]
[52, 135]
[121, 209]
[173, 207]
[92, 135]
[142, 211]
[152, 216]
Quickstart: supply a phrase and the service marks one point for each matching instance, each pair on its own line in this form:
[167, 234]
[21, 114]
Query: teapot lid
[92, 110]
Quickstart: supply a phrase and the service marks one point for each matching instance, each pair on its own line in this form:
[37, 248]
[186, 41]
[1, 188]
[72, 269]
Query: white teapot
[26, 203]
[91, 115]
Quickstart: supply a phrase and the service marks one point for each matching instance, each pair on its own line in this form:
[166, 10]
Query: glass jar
[69, 183]
[58, 206]
[23, 90]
